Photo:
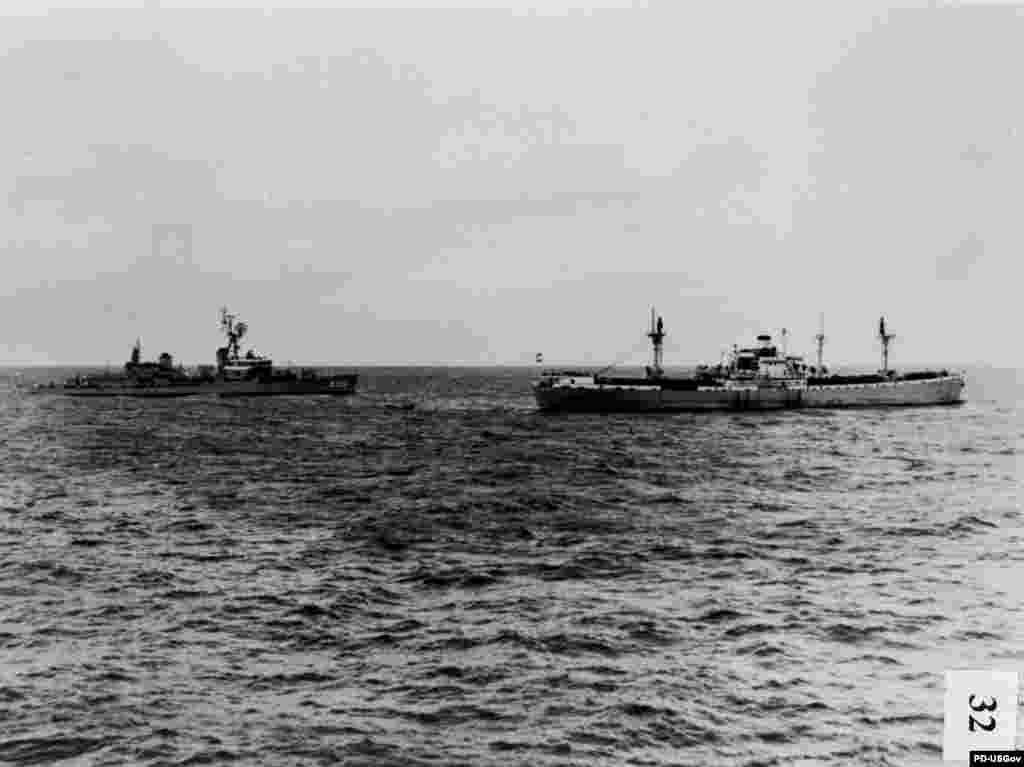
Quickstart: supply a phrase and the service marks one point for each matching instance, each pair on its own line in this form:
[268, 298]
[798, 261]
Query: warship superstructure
[755, 378]
[235, 375]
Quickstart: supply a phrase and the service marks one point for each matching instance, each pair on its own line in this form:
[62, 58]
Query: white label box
[981, 712]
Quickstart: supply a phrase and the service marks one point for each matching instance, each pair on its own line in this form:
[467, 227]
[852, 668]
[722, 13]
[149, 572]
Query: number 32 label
[981, 712]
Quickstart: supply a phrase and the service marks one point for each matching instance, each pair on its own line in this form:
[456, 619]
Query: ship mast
[657, 336]
[820, 338]
[886, 339]
[233, 331]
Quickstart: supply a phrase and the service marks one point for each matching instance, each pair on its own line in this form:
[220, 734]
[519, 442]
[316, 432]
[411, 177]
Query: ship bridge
[764, 363]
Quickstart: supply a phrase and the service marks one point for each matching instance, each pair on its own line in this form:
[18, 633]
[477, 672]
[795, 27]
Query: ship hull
[279, 388]
[946, 390]
[607, 399]
[150, 392]
[340, 386]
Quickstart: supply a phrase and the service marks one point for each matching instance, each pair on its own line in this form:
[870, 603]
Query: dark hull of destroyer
[337, 386]
[611, 397]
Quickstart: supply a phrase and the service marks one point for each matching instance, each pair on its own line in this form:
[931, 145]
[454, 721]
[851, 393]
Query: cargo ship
[234, 375]
[755, 378]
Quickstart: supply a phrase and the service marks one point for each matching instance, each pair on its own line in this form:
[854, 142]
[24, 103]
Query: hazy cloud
[455, 185]
[956, 264]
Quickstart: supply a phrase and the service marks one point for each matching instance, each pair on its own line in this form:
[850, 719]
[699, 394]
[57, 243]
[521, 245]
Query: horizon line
[546, 365]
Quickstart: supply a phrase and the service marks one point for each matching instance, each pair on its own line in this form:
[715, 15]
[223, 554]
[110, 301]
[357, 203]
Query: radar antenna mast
[234, 331]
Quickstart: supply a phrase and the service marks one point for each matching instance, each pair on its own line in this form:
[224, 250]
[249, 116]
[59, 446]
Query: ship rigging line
[621, 358]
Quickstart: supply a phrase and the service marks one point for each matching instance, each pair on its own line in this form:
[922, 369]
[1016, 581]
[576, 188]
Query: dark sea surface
[433, 573]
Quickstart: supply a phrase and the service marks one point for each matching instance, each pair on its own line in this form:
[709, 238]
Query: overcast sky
[459, 185]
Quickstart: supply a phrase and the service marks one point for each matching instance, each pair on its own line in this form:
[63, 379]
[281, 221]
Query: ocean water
[433, 573]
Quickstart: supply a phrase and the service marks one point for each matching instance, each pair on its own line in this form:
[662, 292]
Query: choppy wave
[431, 572]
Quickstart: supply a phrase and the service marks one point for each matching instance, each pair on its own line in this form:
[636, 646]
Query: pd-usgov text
[997, 757]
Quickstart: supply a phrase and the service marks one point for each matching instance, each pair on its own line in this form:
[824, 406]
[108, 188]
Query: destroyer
[235, 375]
[757, 378]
